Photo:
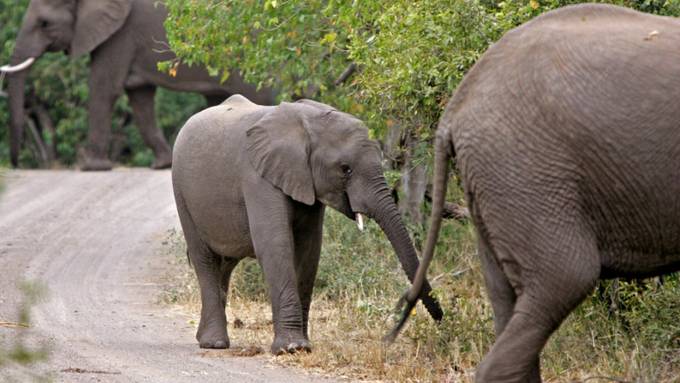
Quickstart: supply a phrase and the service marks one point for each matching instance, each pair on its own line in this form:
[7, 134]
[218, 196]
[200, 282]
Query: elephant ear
[96, 21]
[278, 146]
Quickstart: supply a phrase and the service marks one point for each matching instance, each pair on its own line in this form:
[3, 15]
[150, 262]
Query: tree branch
[46, 123]
[346, 74]
[607, 378]
[40, 145]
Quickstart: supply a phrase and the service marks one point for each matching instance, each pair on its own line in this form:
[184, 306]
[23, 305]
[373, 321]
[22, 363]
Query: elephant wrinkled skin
[567, 137]
[253, 181]
[125, 39]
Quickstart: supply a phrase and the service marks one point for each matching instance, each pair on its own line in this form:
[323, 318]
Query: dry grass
[359, 281]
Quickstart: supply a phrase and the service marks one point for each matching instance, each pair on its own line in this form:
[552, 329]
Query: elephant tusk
[18, 68]
[360, 222]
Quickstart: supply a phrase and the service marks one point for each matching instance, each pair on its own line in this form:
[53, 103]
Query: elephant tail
[443, 152]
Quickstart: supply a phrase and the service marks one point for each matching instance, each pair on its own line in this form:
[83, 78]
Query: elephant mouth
[352, 214]
[347, 206]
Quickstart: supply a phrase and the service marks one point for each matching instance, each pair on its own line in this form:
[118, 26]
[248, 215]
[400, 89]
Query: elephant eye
[44, 23]
[346, 170]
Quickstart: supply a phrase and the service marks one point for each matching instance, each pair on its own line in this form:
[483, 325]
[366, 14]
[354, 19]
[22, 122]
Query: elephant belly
[222, 225]
[638, 264]
[635, 217]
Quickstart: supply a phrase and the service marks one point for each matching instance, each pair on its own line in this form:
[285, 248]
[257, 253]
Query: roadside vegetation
[19, 354]
[360, 280]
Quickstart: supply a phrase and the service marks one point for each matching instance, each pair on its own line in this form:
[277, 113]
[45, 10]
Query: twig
[77, 370]
[46, 123]
[451, 210]
[346, 74]
[608, 378]
[455, 211]
[40, 145]
[13, 325]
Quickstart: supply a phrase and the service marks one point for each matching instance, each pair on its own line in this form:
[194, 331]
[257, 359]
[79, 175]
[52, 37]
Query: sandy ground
[93, 239]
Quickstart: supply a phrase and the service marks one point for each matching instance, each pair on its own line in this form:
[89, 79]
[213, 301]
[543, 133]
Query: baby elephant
[253, 181]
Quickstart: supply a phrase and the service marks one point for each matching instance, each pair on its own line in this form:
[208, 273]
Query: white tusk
[18, 68]
[360, 222]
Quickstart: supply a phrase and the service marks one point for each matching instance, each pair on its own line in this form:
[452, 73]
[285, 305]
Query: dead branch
[13, 325]
[455, 211]
[46, 123]
[39, 143]
[607, 378]
[351, 68]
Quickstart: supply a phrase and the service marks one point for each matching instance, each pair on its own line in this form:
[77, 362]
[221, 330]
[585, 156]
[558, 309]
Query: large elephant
[253, 181]
[125, 40]
[567, 137]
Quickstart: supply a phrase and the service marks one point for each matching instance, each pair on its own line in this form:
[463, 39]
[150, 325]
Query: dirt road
[93, 240]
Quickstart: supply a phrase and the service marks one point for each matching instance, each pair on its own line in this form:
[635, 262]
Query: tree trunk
[413, 183]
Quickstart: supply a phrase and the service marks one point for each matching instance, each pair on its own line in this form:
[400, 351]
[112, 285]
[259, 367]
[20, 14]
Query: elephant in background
[567, 137]
[253, 181]
[125, 39]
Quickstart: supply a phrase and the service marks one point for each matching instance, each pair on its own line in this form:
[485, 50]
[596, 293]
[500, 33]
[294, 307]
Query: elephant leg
[212, 329]
[227, 265]
[210, 270]
[502, 297]
[143, 112]
[270, 217]
[106, 85]
[308, 234]
[500, 292]
[563, 273]
[100, 110]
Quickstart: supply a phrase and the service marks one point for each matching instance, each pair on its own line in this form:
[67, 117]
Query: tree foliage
[411, 54]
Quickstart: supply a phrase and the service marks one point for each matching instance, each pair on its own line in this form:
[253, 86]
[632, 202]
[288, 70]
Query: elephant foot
[212, 337]
[162, 162]
[96, 164]
[287, 345]
[217, 344]
[93, 160]
[216, 341]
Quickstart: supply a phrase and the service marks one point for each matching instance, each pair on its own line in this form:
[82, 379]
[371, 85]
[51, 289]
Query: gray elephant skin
[125, 40]
[567, 137]
[253, 181]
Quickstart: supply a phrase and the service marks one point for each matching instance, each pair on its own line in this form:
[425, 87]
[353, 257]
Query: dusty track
[93, 239]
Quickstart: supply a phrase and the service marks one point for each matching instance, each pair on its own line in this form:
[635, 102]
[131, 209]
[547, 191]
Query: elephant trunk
[420, 285]
[385, 212]
[29, 47]
[16, 108]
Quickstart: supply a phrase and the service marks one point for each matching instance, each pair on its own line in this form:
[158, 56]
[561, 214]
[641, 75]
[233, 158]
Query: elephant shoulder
[230, 118]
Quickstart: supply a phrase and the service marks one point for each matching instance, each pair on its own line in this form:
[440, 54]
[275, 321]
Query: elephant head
[315, 153]
[74, 26]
